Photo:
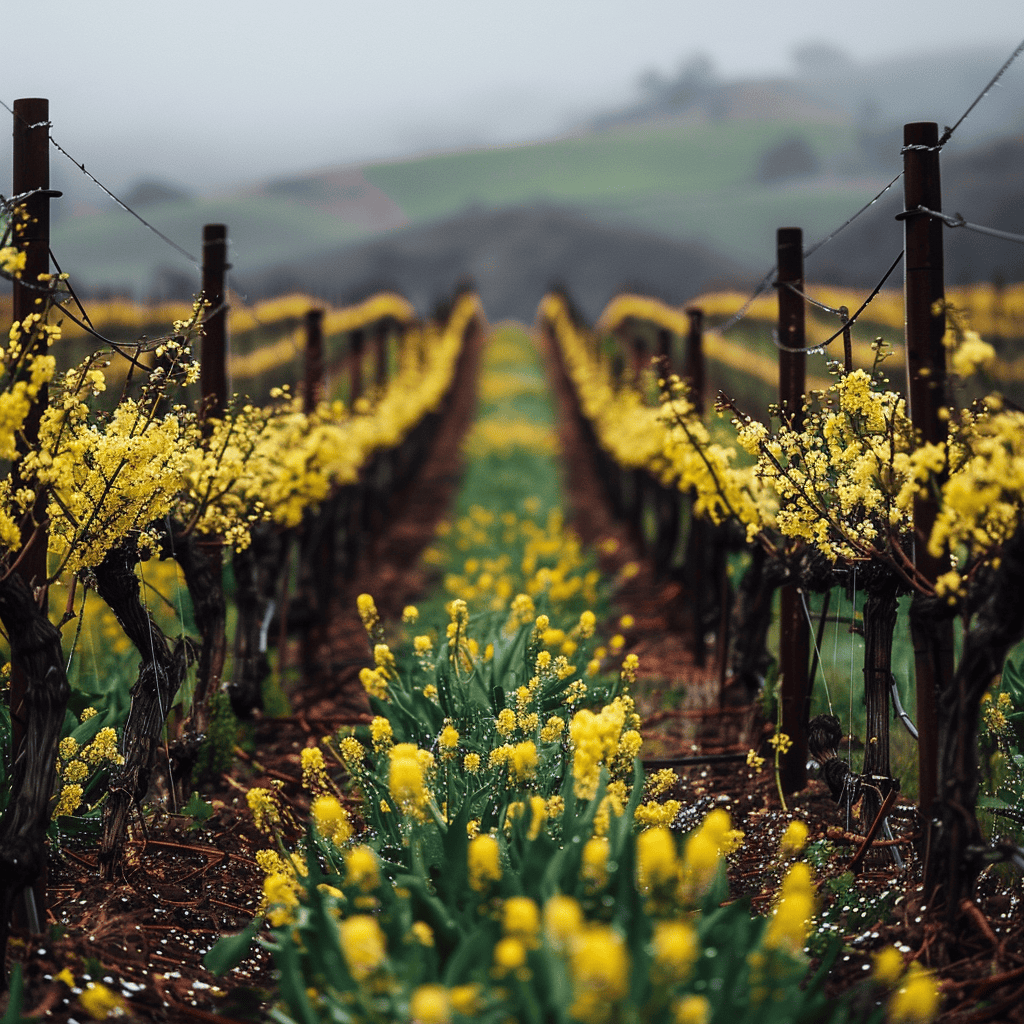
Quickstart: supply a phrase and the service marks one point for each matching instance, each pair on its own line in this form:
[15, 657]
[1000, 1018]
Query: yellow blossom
[430, 1004]
[363, 945]
[331, 820]
[509, 955]
[361, 868]
[563, 920]
[520, 919]
[791, 924]
[484, 862]
[888, 966]
[101, 1002]
[917, 999]
[691, 1009]
[314, 771]
[675, 948]
[380, 734]
[405, 778]
[599, 964]
[794, 838]
[367, 612]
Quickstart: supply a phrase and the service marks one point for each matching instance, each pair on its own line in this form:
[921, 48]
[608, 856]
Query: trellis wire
[814, 639]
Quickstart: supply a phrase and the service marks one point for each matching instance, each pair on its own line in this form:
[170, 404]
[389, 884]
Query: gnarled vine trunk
[257, 575]
[880, 609]
[956, 852]
[161, 673]
[36, 653]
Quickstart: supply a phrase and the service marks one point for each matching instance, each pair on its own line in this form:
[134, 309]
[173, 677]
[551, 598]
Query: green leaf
[13, 1014]
[231, 950]
[197, 808]
[1013, 681]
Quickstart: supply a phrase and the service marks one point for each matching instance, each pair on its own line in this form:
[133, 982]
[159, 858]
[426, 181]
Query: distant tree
[695, 78]
[821, 59]
[790, 158]
[651, 83]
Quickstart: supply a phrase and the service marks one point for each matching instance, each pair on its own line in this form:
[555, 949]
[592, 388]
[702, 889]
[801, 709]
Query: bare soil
[183, 885]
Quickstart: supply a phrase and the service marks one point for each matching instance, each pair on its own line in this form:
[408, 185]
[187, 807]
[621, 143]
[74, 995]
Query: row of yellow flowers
[509, 869]
[104, 479]
[668, 441]
[993, 311]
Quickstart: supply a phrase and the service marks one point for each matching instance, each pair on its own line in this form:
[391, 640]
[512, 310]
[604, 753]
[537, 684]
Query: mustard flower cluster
[540, 731]
[669, 441]
[539, 559]
[80, 767]
[105, 477]
[847, 480]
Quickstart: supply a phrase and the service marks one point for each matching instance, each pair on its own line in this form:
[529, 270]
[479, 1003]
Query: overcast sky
[214, 92]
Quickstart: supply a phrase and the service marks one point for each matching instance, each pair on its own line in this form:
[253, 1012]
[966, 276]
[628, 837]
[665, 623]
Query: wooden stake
[794, 646]
[313, 380]
[926, 376]
[213, 376]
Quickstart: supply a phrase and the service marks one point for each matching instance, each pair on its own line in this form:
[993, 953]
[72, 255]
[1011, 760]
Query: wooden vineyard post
[213, 353]
[37, 698]
[638, 355]
[313, 379]
[924, 294]
[381, 335]
[694, 368]
[665, 367]
[700, 553]
[206, 586]
[794, 644]
[31, 177]
[355, 366]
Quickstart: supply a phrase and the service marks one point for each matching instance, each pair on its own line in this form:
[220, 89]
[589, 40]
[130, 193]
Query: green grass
[606, 170]
[678, 180]
[114, 250]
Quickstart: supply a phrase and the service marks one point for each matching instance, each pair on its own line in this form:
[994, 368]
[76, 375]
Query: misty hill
[713, 166]
[683, 181]
[984, 184]
[513, 256]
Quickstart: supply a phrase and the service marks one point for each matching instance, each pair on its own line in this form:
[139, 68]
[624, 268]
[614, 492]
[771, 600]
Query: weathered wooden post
[213, 375]
[664, 352]
[313, 377]
[39, 690]
[694, 365]
[794, 645]
[924, 297]
[381, 336]
[31, 179]
[703, 546]
[357, 343]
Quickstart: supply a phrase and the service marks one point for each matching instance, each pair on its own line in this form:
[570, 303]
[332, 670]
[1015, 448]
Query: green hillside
[649, 176]
[678, 180]
[114, 251]
[684, 160]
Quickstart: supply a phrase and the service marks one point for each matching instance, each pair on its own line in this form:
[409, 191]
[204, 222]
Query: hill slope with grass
[704, 184]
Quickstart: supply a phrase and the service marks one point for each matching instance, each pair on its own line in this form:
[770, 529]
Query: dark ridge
[513, 255]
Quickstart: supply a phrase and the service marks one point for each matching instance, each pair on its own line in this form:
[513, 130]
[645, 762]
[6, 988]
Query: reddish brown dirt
[181, 887]
[979, 957]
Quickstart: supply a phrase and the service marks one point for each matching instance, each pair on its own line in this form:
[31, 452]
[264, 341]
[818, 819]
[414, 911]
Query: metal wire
[120, 202]
[820, 347]
[957, 221]
[947, 133]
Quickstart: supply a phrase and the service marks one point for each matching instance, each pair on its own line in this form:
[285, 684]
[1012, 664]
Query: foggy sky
[210, 93]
